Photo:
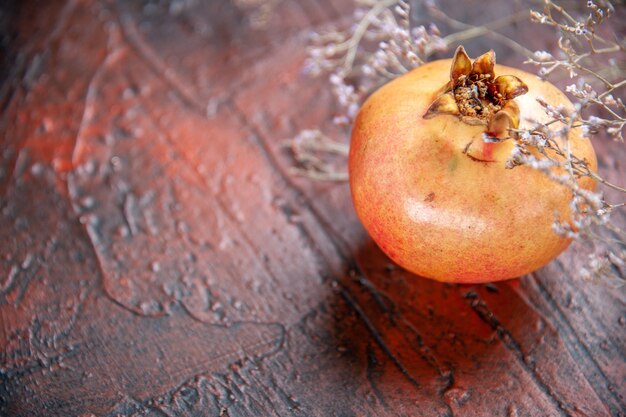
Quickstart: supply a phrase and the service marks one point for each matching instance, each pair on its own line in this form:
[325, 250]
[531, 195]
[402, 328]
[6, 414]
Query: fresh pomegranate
[434, 195]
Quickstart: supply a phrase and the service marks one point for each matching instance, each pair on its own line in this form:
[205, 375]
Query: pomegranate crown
[477, 96]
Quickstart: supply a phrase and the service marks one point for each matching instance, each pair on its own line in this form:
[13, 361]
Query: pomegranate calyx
[508, 87]
[461, 65]
[477, 96]
[505, 119]
[484, 64]
[444, 104]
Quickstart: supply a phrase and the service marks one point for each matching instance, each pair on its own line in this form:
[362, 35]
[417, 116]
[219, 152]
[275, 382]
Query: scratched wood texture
[158, 258]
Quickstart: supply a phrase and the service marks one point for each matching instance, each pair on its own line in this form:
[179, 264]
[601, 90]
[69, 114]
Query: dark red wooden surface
[158, 259]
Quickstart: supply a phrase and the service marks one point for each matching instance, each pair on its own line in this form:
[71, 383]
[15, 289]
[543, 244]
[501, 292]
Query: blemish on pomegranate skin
[430, 197]
[453, 163]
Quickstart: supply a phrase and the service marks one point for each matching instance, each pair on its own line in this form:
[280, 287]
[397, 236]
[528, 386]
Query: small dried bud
[610, 100]
[543, 56]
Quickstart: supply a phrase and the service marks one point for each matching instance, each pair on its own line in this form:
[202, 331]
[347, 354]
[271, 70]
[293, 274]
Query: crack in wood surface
[378, 337]
[482, 310]
[578, 350]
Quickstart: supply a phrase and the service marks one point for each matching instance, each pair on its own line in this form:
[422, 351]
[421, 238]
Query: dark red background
[159, 259]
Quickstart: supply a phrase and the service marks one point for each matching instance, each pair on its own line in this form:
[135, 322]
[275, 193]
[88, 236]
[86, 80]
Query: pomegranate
[436, 197]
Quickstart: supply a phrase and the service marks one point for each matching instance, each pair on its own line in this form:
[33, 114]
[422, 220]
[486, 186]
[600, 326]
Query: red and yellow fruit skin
[432, 204]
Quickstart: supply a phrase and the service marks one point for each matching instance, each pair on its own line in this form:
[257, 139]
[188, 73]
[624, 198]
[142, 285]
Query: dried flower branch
[577, 43]
[306, 147]
[379, 46]
[585, 57]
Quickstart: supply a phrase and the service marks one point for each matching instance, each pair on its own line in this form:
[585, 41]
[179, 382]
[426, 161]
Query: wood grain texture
[158, 258]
